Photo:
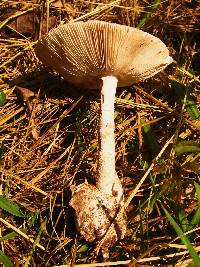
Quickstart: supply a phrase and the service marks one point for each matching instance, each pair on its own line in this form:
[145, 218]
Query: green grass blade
[193, 166]
[83, 249]
[196, 217]
[5, 260]
[197, 187]
[190, 103]
[10, 206]
[183, 219]
[8, 236]
[150, 10]
[150, 139]
[185, 240]
[192, 108]
[2, 98]
[187, 147]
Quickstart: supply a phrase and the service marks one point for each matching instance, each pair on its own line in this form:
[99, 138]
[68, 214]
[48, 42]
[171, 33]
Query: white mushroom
[102, 55]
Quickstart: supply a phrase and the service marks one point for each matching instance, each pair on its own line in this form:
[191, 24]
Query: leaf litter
[48, 141]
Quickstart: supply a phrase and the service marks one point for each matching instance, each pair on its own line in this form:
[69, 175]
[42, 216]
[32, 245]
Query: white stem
[106, 177]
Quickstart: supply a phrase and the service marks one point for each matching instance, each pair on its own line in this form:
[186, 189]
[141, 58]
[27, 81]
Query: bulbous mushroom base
[95, 212]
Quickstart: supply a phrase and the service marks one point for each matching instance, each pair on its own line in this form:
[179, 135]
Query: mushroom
[104, 56]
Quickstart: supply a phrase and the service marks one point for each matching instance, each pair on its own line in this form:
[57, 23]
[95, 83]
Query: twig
[20, 233]
[97, 11]
[30, 45]
[128, 261]
[16, 15]
[28, 185]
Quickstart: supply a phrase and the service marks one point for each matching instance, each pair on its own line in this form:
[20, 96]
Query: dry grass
[49, 140]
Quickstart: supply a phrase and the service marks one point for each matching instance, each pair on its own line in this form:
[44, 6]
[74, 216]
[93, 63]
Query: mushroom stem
[107, 179]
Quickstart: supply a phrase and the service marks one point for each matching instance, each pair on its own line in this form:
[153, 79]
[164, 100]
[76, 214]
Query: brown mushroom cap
[84, 52]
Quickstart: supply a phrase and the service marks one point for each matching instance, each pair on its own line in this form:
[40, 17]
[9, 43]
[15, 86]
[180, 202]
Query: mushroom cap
[84, 52]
